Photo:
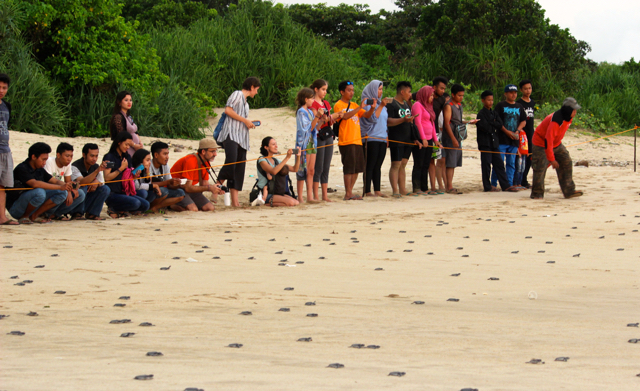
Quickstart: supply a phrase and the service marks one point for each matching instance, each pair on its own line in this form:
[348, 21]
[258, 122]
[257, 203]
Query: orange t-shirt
[189, 164]
[350, 128]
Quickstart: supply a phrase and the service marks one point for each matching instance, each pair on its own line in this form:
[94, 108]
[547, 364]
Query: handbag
[460, 131]
[336, 126]
[327, 131]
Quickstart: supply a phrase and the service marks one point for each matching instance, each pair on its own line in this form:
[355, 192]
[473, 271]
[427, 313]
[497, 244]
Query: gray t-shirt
[4, 128]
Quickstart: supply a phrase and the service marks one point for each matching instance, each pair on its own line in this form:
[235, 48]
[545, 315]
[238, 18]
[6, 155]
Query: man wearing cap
[547, 150]
[193, 171]
[514, 119]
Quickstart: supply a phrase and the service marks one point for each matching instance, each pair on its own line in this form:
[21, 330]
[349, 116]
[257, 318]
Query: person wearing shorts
[350, 137]
[400, 138]
[6, 161]
[193, 170]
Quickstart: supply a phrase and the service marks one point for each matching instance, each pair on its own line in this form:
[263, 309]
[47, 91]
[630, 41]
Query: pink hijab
[423, 97]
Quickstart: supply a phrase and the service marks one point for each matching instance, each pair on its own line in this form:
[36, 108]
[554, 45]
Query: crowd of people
[428, 125]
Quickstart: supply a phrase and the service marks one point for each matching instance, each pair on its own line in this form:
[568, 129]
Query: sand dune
[581, 308]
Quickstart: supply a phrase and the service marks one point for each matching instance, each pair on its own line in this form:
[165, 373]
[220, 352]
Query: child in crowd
[488, 127]
[526, 88]
[145, 187]
[306, 141]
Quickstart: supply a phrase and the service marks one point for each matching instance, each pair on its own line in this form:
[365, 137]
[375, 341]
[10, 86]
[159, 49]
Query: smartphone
[369, 102]
[111, 164]
[138, 169]
[417, 115]
[256, 123]
[295, 151]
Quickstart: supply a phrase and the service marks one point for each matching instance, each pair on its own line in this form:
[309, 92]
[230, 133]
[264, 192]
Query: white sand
[483, 341]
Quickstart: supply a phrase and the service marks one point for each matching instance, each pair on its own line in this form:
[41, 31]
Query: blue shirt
[304, 118]
[4, 128]
[380, 130]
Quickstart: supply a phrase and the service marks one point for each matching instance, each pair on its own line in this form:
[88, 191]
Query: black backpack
[271, 184]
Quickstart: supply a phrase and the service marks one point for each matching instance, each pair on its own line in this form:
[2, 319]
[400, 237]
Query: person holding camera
[375, 131]
[161, 175]
[59, 167]
[193, 171]
[88, 173]
[306, 141]
[273, 172]
[123, 198]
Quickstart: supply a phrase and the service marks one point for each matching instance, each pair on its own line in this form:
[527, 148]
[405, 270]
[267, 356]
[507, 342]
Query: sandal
[396, 195]
[411, 194]
[25, 220]
[93, 217]
[432, 192]
[60, 218]
[454, 191]
[114, 215]
[77, 216]
[10, 222]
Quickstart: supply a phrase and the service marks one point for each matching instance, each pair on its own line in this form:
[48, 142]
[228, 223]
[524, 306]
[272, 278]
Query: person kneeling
[279, 171]
[194, 169]
[27, 205]
[87, 172]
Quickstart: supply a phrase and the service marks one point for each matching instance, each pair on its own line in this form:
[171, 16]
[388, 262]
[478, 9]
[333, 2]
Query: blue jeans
[520, 165]
[77, 206]
[125, 203]
[35, 198]
[510, 165]
[148, 195]
[94, 201]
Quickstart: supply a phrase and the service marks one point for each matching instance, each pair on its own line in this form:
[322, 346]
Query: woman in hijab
[374, 133]
[422, 167]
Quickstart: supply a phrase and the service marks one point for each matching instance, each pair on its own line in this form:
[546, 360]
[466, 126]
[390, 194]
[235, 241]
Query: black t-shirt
[530, 109]
[79, 164]
[511, 116]
[438, 105]
[21, 175]
[116, 187]
[400, 132]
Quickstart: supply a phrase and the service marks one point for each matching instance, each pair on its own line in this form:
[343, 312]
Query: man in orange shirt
[547, 150]
[192, 170]
[349, 137]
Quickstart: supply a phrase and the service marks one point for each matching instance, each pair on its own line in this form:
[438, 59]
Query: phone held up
[256, 123]
[295, 151]
[111, 165]
[369, 102]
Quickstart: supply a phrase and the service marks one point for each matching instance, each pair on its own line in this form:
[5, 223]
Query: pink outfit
[133, 129]
[423, 122]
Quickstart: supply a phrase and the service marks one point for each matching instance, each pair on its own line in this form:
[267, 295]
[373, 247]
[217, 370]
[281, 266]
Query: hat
[207, 143]
[511, 88]
[571, 102]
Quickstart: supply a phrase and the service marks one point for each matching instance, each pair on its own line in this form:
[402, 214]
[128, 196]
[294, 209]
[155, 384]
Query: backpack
[271, 185]
[336, 126]
[218, 129]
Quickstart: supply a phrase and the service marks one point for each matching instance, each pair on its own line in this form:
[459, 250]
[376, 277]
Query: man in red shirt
[192, 170]
[547, 150]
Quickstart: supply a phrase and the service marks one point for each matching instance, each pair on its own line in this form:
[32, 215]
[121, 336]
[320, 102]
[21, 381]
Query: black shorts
[352, 159]
[399, 151]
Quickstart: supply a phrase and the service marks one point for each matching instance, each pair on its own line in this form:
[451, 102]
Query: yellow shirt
[350, 128]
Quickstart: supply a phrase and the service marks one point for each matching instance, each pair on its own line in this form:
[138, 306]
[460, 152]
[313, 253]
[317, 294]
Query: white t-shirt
[57, 172]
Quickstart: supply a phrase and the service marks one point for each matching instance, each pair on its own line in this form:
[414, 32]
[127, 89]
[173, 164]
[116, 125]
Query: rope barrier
[324, 146]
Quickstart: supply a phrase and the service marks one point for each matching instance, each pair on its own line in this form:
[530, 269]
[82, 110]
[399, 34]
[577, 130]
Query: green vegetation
[181, 58]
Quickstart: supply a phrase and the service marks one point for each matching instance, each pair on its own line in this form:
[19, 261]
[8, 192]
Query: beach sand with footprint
[570, 291]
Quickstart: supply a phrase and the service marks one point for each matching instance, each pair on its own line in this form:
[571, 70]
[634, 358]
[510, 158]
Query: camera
[224, 188]
[295, 151]
[369, 102]
[111, 164]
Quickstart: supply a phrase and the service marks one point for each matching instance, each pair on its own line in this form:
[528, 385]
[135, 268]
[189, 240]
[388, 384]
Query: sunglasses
[349, 83]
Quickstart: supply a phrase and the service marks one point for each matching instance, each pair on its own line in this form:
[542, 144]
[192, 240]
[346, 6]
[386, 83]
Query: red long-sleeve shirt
[550, 132]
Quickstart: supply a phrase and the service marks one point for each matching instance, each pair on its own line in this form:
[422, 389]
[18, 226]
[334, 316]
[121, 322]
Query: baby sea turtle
[13, 277]
[485, 240]
[576, 255]
[563, 359]
[514, 252]
[251, 258]
[157, 229]
[634, 340]
[535, 361]
[308, 245]
[278, 252]
[7, 247]
[288, 288]
[165, 267]
[469, 389]
[373, 346]
[633, 324]
[38, 267]
[453, 299]
[541, 252]
[127, 335]
[145, 324]
[408, 251]
[321, 258]
[620, 249]
[193, 389]
[494, 279]
[455, 274]
[601, 237]
[284, 309]
[403, 232]
[119, 305]
[15, 333]
[548, 242]
[20, 284]
[335, 365]
[427, 236]
[299, 262]
[399, 374]
[418, 302]
[228, 240]
[411, 242]
[312, 315]
[551, 261]
[199, 251]
[272, 239]
[227, 232]
[429, 253]
[205, 246]
[308, 339]
[438, 225]
[357, 346]
[354, 231]
[31, 313]
[465, 256]
[511, 221]
[143, 377]
[355, 241]
[282, 264]
[124, 297]
[310, 303]
[246, 313]
[28, 281]
[621, 234]
[59, 292]
[332, 244]
[118, 321]
[54, 255]
[574, 227]
[235, 345]
[216, 257]
[154, 354]
[488, 220]
[175, 258]
[459, 248]
[4, 316]
[174, 242]
[378, 269]
[389, 251]
[528, 237]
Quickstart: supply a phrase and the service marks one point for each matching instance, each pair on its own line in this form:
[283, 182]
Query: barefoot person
[47, 192]
[6, 161]
[375, 129]
[549, 150]
[275, 172]
[400, 137]
[306, 141]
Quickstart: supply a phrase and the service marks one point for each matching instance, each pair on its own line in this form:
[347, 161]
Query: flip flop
[25, 220]
[61, 218]
[396, 195]
[454, 191]
[10, 222]
[432, 192]
[42, 220]
[78, 216]
[411, 194]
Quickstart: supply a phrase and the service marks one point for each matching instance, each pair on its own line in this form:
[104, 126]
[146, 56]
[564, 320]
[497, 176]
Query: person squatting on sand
[160, 171]
[193, 170]
[86, 171]
[548, 150]
[59, 167]
[273, 173]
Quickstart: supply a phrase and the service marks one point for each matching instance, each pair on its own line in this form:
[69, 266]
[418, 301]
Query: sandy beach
[535, 280]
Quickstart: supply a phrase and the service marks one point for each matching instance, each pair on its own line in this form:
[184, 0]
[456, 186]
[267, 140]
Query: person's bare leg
[347, 186]
[311, 170]
[441, 167]
[3, 203]
[315, 186]
[48, 204]
[354, 180]
[450, 172]
[234, 198]
[402, 176]
[284, 201]
[208, 207]
[154, 205]
[325, 192]
[164, 203]
[432, 175]
[393, 176]
[300, 185]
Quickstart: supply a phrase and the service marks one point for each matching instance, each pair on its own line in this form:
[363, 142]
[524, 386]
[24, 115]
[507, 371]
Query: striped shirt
[235, 130]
